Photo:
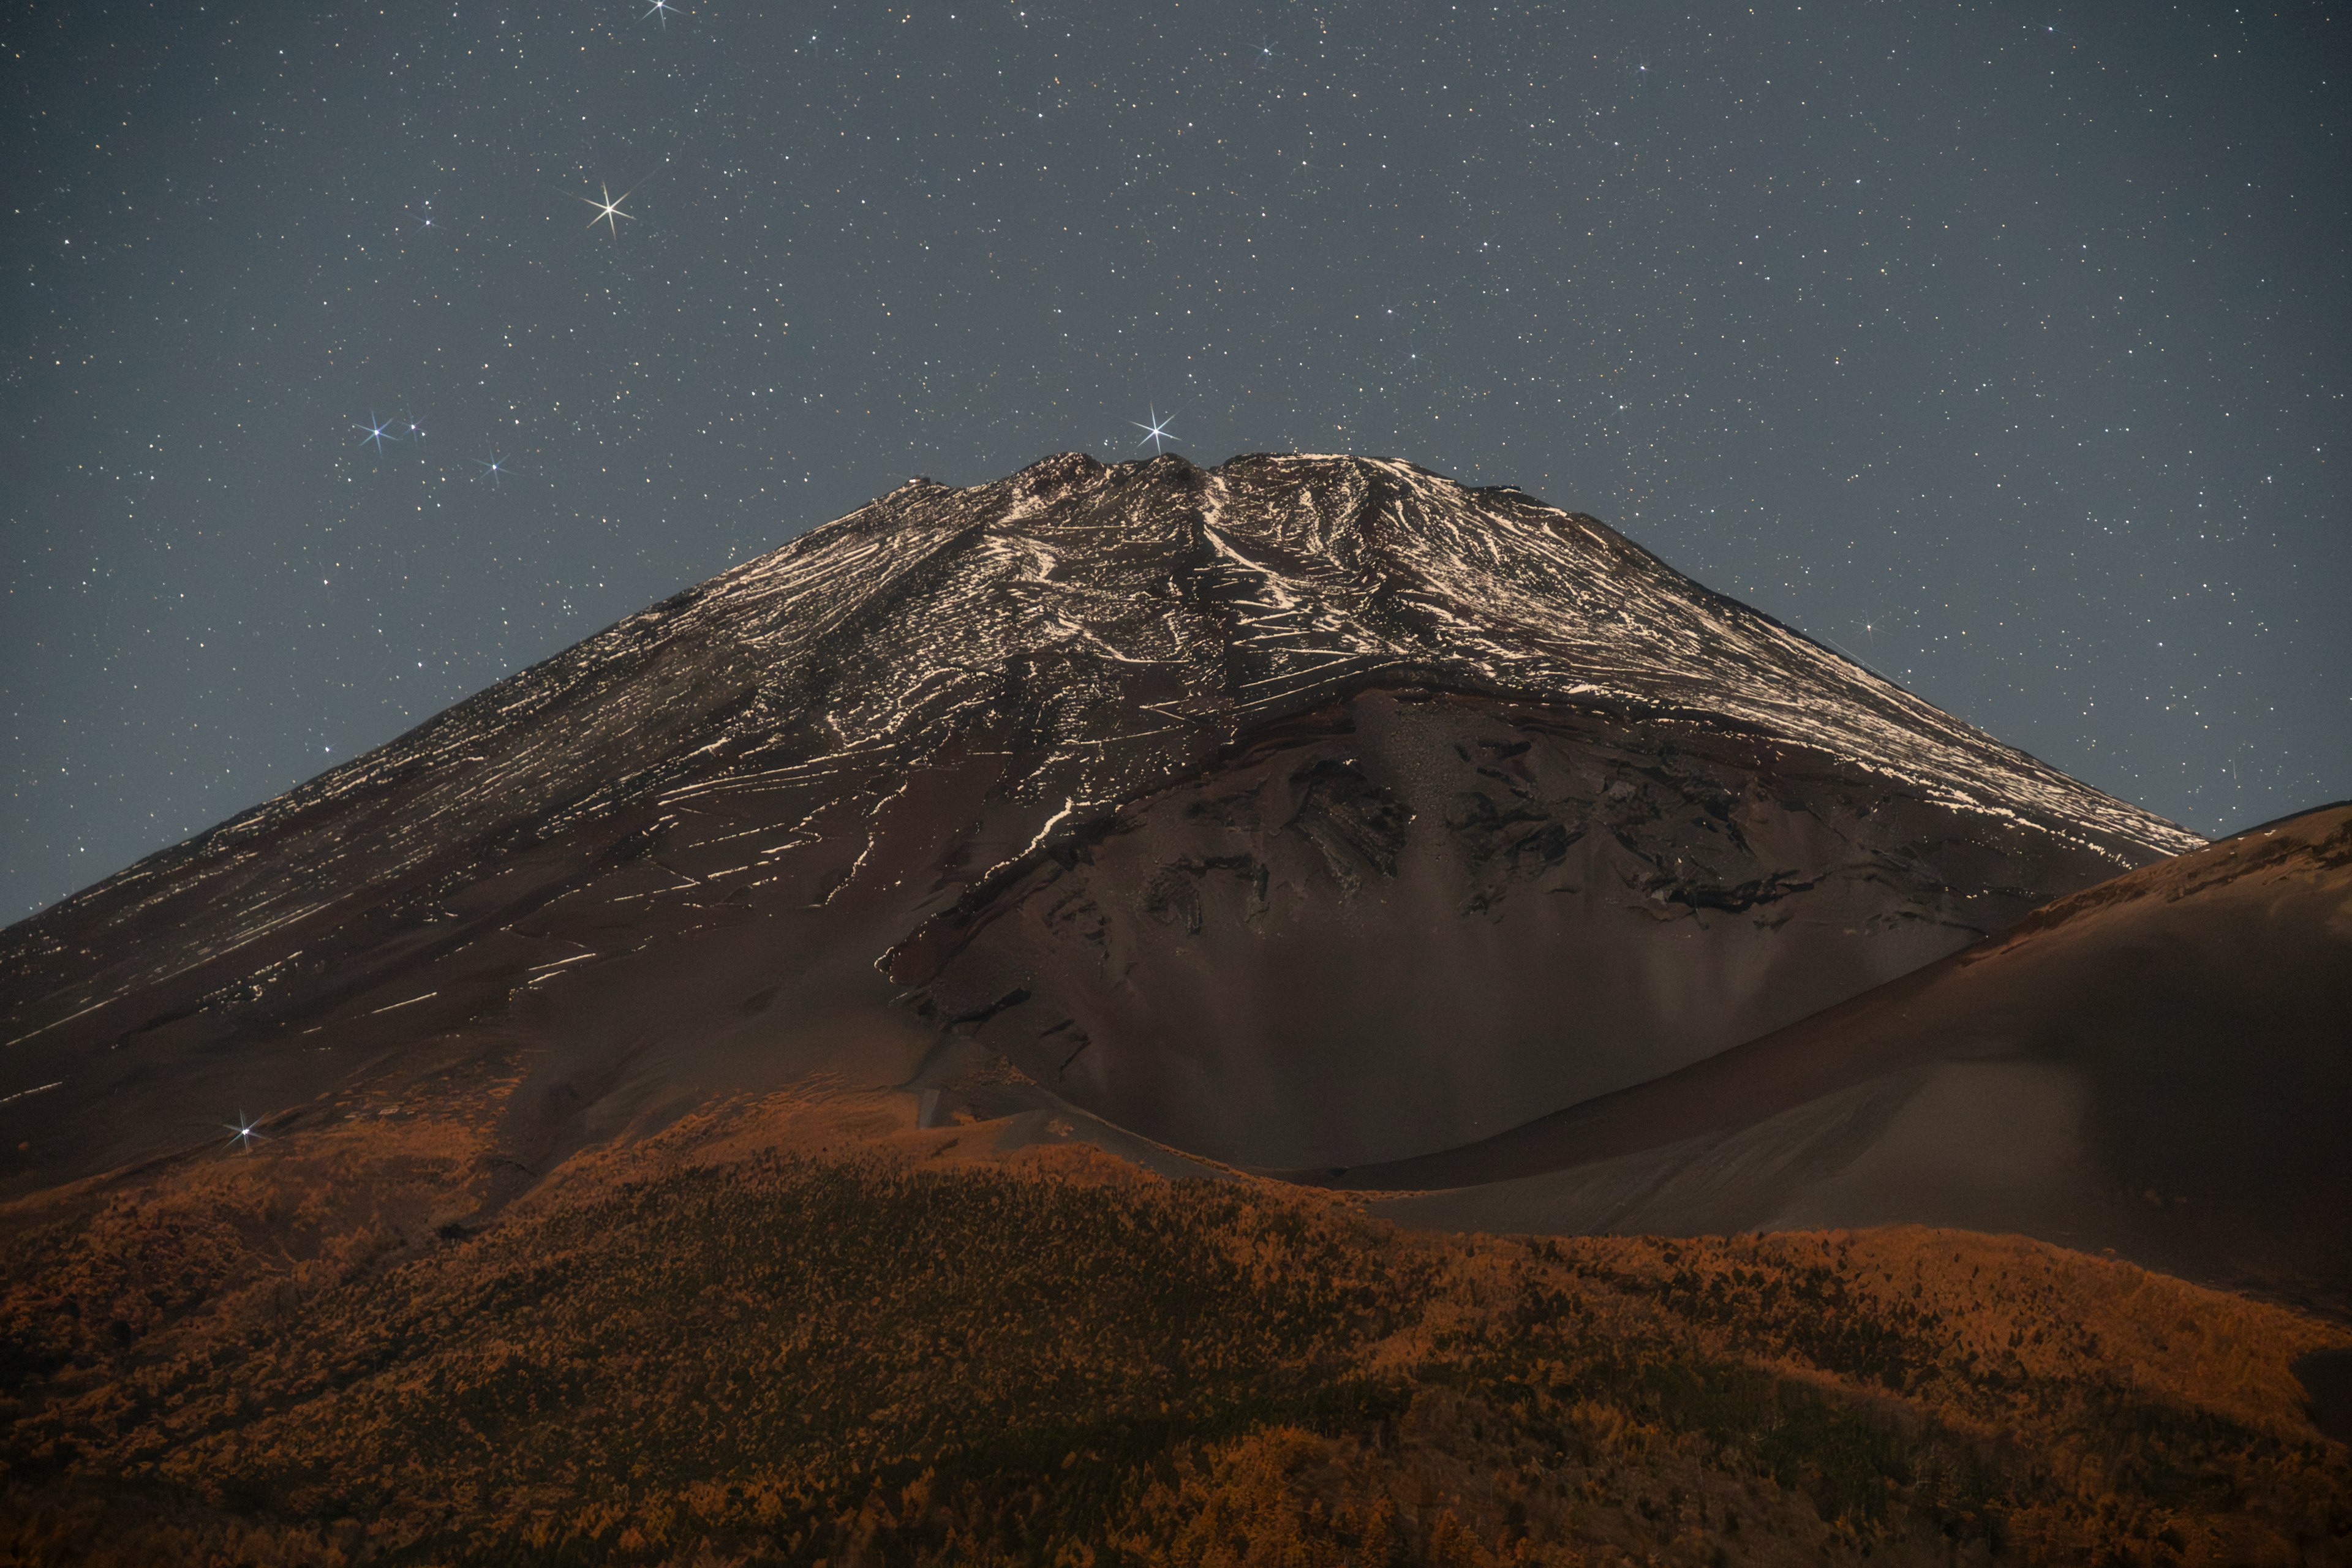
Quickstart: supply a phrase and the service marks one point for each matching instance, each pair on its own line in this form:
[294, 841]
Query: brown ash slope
[2161, 1064]
[1151, 784]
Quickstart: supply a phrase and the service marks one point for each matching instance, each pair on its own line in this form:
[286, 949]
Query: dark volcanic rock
[1310, 809]
[1412, 917]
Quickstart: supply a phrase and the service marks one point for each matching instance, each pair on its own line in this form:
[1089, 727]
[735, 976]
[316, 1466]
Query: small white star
[661, 9]
[1157, 431]
[244, 1133]
[493, 470]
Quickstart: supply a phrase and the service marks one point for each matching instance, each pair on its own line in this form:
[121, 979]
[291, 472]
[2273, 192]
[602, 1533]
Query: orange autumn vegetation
[804, 1332]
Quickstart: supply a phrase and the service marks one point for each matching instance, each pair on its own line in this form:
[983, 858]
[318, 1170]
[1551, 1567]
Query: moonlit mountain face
[1302, 811]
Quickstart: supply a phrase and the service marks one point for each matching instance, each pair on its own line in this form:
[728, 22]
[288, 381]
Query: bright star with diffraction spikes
[608, 209]
[377, 431]
[1155, 432]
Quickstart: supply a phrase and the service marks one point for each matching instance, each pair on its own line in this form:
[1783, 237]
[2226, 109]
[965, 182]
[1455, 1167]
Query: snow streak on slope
[1491, 586]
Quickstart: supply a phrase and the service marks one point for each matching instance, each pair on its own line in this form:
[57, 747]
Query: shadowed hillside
[2161, 1064]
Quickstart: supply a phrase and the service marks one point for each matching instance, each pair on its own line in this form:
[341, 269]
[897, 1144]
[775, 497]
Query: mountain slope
[1016, 742]
[2161, 1064]
[720, 1344]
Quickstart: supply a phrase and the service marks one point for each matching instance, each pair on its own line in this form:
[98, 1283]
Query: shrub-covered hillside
[744, 1342]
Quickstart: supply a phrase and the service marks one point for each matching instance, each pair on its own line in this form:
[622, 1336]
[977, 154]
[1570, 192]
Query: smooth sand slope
[2161, 1064]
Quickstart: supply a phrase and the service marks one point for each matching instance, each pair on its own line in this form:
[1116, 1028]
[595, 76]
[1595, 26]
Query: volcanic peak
[1100, 632]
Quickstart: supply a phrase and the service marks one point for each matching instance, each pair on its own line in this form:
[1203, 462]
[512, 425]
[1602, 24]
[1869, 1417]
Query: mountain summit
[1302, 811]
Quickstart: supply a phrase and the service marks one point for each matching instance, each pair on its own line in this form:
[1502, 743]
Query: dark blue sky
[2003, 346]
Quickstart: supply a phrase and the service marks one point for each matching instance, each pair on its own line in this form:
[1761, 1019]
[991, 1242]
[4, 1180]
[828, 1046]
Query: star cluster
[2005, 350]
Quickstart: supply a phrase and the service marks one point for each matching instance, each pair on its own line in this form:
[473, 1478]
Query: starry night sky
[2002, 346]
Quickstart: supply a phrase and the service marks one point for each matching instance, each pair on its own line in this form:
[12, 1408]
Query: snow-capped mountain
[1195, 796]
